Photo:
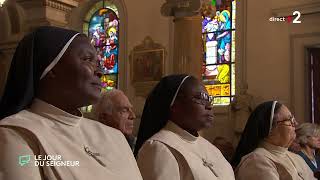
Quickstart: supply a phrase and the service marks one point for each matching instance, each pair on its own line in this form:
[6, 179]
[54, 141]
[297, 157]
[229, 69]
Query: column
[187, 53]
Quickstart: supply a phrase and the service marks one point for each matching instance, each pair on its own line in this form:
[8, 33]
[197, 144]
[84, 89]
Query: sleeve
[16, 156]
[156, 162]
[257, 167]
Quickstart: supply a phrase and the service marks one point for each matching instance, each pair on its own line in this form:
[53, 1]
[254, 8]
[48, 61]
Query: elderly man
[115, 110]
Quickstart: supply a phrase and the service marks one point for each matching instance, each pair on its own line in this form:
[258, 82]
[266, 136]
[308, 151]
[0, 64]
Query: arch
[101, 24]
[77, 18]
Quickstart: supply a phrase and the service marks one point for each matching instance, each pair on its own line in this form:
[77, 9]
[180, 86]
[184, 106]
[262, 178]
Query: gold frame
[147, 65]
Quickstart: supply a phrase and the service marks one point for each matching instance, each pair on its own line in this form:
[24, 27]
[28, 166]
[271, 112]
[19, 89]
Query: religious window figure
[218, 39]
[101, 24]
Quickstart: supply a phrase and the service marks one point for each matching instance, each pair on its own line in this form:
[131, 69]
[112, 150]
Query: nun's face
[196, 108]
[77, 73]
[283, 131]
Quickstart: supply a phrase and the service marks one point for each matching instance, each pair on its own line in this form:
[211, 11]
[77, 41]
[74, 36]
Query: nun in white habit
[53, 73]
[262, 152]
[169, 146]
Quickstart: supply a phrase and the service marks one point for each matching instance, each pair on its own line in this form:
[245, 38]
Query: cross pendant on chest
[94, 155]
[209, 165]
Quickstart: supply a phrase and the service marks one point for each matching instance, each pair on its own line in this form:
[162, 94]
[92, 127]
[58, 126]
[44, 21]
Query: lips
[97, 85]
[210, 117]
[129, 124]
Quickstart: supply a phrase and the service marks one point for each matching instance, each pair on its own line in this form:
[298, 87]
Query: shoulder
[301, 165]
[99, 133]
[100, 127]
[12, 130]
[23, 116]
[8, 134]
[257, 159]
[14, 145]
[26, 120]
[256, 165]
[153, 150]
[17, 140]
[156, 152]
[154, 147]
[156, 161]
[297, 157]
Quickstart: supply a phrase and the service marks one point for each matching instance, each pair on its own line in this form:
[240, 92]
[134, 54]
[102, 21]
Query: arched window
[218, 35]
[101, 24]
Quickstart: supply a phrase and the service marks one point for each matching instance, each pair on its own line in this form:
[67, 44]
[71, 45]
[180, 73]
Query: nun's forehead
[192, 86]
[80, 38]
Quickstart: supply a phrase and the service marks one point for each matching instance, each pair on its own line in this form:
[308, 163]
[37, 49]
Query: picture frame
[147, 65]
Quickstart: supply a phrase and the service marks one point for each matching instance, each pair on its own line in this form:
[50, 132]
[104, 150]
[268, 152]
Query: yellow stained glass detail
[221, 101]
[233, 80]
[218, 90]
[223, 75]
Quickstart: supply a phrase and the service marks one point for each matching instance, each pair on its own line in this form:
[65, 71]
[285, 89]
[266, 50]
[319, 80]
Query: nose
[295, 123]
[132, 114]
[98, 73]
[209, 106]
[98, 69]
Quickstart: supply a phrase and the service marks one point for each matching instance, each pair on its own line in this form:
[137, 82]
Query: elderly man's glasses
[291, 119]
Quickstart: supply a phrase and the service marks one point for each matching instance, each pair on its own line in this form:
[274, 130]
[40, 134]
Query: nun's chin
[94, 97]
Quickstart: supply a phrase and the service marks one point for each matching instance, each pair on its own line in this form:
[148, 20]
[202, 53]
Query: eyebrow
[122, 107]
[89, 52]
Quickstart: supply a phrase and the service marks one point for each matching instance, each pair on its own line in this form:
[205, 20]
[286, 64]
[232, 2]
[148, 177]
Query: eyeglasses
[291, 119]
[203, 99]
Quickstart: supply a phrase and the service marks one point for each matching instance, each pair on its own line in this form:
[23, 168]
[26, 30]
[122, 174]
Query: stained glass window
[101, 24]
[218, 39]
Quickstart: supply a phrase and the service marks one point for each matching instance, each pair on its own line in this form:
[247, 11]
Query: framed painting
[147, 65]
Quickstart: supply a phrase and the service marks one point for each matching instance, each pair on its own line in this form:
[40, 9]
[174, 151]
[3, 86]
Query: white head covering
[58, 57]
[272, 114]
[176, 93]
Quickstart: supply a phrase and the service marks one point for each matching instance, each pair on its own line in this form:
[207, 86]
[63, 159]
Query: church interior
[244, 51]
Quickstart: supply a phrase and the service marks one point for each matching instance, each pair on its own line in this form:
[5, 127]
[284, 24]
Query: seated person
[115, 110]
[169, 145]
[308, 136]
[53, 73]
[262, 152]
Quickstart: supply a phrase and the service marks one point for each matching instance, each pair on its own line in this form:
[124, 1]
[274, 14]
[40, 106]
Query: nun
[43, 135]
[169, 145]
[262, 152]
